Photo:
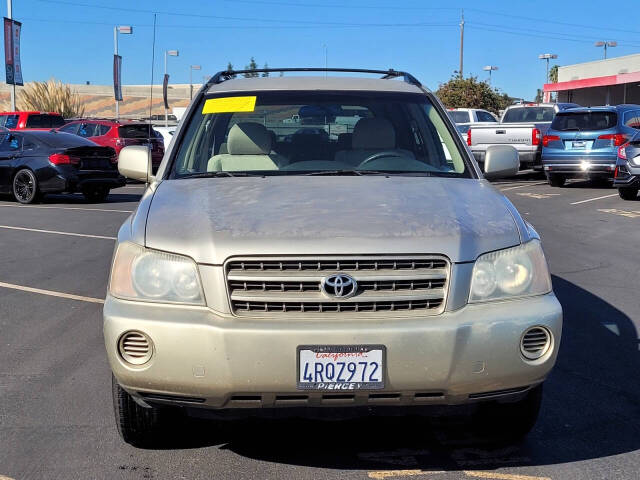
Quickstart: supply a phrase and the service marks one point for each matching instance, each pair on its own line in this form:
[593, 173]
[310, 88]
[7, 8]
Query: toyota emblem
[339, 285]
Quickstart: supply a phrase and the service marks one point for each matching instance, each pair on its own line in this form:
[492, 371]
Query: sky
[72, 40]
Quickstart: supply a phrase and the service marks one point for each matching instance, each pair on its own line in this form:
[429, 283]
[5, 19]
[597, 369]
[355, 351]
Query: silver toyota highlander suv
[319, 245]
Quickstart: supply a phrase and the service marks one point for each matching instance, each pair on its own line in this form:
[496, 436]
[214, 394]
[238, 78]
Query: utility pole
[13, 86]
[461, 44]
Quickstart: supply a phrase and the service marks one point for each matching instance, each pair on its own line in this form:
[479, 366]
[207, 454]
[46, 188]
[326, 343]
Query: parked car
[521, 126]
[118, 134]
[166, 133]
[583, 142]
[30, 120]
[467, 116]
[35, 163]
[341, 279]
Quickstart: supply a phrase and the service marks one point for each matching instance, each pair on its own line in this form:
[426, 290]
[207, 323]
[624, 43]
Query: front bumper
[226, 362]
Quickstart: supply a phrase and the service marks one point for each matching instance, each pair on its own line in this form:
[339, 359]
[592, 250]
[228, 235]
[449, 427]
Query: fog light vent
[535, 343]
[135, 348]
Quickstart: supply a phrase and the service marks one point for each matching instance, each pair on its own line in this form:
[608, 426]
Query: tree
[230, 68]
[265, 74]
[539, 96]
[470, 93]
[553, 74]
[51, 96]
[252, 66]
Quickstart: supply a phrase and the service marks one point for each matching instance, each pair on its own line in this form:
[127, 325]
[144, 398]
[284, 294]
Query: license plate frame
[342, 386]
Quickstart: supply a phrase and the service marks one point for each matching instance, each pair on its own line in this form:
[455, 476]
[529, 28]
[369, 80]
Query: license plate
[578, 144]
[341, 367]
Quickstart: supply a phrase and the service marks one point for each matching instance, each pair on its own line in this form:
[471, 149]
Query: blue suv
[583, 142]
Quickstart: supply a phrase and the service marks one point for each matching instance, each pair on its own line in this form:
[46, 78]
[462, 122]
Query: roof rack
[391, 73]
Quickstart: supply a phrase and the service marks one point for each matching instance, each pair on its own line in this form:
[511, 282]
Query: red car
[116, 134]
[31, 120]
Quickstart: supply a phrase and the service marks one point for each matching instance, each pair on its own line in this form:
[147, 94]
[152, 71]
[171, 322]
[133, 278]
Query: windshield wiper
[221, 174]
[346, 172]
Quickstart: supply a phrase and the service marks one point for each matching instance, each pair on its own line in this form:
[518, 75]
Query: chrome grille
[384, 285]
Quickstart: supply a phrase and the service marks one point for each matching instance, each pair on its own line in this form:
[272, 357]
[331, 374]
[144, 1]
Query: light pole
[125, 30]
[191, 69]
[489, 68]
[605, 45]
[547, 57]
[167, 53]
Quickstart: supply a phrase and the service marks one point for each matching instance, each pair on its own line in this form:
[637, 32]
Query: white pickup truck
[521, 126]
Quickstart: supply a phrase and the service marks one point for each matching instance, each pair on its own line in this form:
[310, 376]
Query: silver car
[353, 261]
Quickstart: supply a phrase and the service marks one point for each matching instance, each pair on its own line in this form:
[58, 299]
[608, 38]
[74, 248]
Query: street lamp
[191, 69]
[124, 30]
[167, 53]
[605, 45]
[489, 68]
[547, 57]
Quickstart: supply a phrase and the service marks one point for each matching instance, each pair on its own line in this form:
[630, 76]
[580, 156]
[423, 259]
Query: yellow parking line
[622, 213]
[51, 293]
[501, 476]
[56, 232]
[522, 186]
[592, 199]
[68, 208]
[382, 474]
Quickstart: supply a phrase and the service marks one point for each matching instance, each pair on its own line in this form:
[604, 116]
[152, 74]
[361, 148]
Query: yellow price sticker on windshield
[229, 105]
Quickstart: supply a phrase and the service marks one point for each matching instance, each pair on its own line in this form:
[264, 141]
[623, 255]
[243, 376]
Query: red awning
[593, 82]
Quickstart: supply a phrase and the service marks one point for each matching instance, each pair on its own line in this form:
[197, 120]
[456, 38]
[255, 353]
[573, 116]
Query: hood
[212, 219]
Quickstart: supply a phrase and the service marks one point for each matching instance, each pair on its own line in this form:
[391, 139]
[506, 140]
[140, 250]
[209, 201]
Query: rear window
[579, 121]
[44, 121]
[459, 117]
[55, 139]
[528, 115]
[135, 131]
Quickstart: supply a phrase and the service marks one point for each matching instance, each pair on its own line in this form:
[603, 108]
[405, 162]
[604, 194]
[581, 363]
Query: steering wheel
[376, 156]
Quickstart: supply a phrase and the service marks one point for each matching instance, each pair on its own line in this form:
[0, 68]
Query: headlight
[142, 274]
[514, 272]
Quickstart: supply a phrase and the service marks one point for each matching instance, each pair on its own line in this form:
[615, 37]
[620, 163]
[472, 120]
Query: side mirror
[135, 162]
[501, 161]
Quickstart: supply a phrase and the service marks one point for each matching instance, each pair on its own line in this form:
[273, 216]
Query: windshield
[459, 117]
[528, 115]
[584, 121]
[317, 132]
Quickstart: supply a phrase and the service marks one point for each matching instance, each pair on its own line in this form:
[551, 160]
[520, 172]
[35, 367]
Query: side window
[632, 119]
[3, 120]
[485, 116]
[37, 121]
[87, 130]
[11, 143]
[11, 121]
[70, 128]
[102, 130]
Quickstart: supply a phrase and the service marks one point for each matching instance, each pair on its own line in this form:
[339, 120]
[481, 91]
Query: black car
[37, 162]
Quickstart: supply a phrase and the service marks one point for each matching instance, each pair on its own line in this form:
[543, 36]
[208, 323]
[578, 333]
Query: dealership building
[604, 82]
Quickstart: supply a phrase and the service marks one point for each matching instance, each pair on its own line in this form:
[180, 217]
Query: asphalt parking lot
[56, 419]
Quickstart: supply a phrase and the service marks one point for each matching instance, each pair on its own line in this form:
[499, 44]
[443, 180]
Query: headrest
[249, 138]
[374, 133]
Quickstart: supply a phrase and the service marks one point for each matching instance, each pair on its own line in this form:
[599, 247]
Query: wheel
[96, 194]
[628, 193]
[510, 421]
[139, 426]
[556, 180]
[25, 186]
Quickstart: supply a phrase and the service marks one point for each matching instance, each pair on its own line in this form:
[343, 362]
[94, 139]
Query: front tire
[556, 180]
[510, 421]
[628, 193]
[25, 186]
[139, 426]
